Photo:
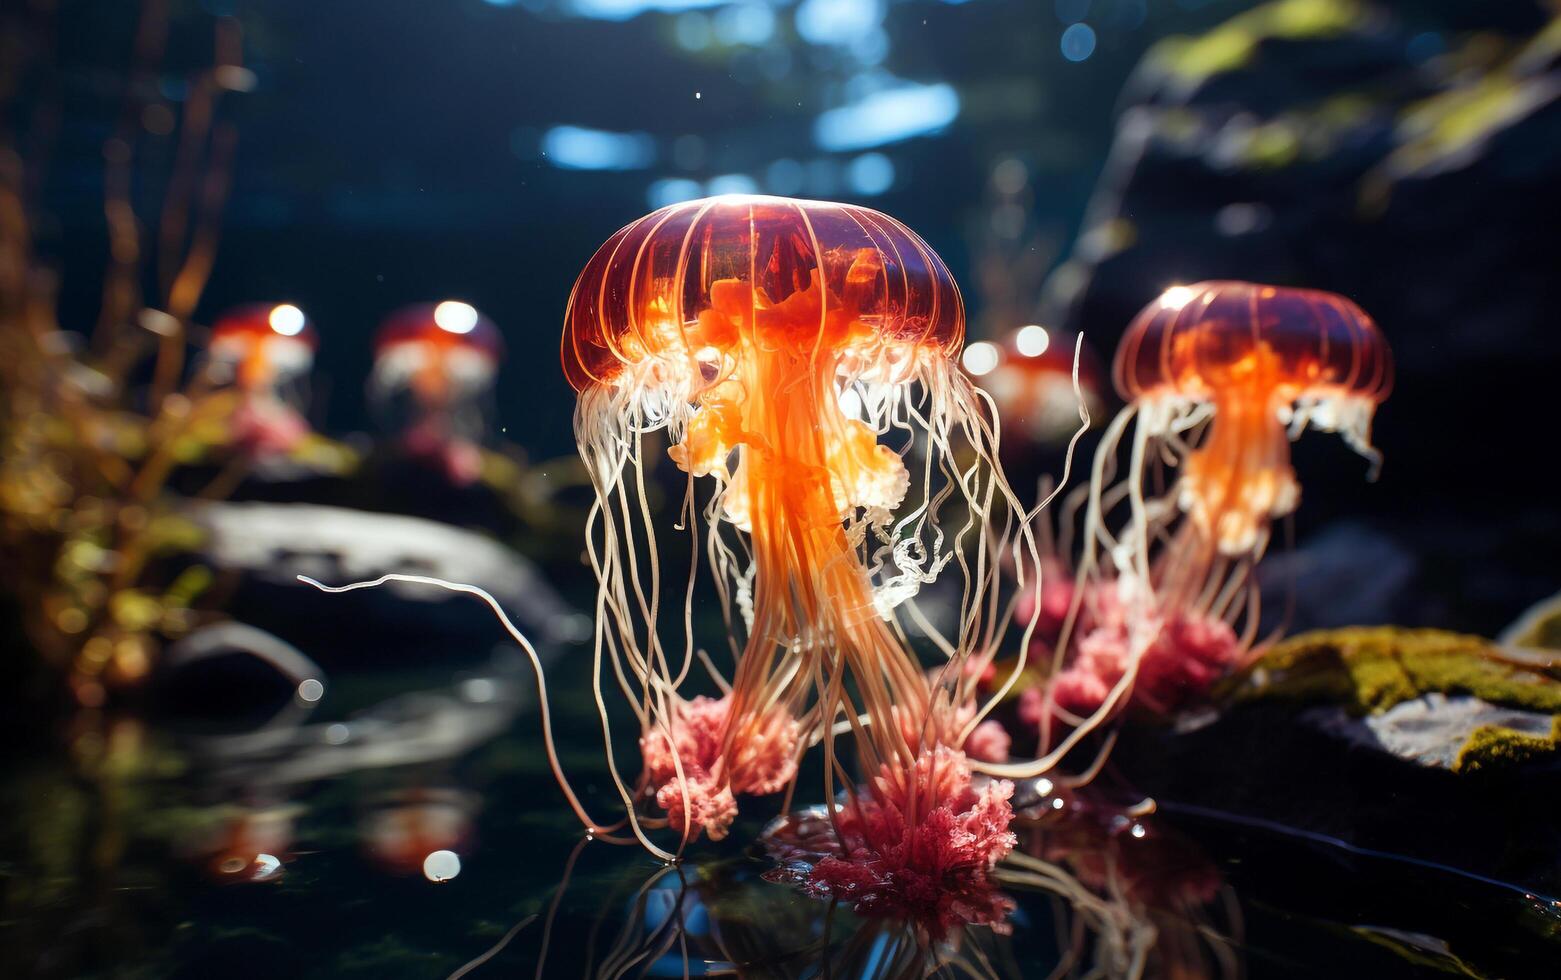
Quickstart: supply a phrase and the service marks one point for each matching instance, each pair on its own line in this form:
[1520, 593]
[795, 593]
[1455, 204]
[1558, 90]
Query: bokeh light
[1078, 42]
[980, 358]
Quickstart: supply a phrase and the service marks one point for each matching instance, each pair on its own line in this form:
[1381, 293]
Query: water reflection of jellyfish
[1031, 380]
[1220, 377]
[259, 350]
[433, 363]
[1171, 912]
[408, 832]
[800, 356]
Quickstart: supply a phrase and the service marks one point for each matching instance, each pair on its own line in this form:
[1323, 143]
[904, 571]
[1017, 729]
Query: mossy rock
[1372, 668]
[1539, 628]
[1495, 747]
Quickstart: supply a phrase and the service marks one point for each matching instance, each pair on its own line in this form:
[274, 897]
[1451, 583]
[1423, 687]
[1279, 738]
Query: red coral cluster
[1183, 655]
[762, 760]
[921, 845]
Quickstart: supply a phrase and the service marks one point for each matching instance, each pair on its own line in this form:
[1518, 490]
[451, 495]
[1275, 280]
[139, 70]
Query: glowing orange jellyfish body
[800, 354]
[1261, 358]
[263, 345]
[1220, 377]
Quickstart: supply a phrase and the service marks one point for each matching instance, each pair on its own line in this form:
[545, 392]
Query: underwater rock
[1345, 573]
[1460, 733]
[1539, 627]
[272, 544]
[1329, 143]
[1427, 697]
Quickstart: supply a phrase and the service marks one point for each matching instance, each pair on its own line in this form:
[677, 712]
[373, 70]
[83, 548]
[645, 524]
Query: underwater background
[189, 799]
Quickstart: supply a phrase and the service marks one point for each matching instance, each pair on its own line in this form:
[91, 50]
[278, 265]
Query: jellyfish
[441, 358]
[1030, 377]
[800, 359]
[1219, 378]
[257, 350]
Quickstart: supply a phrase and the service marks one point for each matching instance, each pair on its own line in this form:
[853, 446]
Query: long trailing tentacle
[596, 828]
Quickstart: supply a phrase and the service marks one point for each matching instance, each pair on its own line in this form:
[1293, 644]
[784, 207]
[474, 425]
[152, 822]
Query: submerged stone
[1433, 698]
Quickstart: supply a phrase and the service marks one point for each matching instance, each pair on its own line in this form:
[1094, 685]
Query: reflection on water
[408, 827]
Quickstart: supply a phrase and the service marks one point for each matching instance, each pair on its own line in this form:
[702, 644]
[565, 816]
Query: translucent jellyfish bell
[1259, 358]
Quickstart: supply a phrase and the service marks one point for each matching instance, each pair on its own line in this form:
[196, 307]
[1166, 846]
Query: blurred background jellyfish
[433, 365]
[801, 357]
[1219, 378]
[1030, 378]
[261, 351]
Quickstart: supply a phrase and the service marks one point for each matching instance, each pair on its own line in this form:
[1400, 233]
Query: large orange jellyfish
[800, 358]
[1220, 377]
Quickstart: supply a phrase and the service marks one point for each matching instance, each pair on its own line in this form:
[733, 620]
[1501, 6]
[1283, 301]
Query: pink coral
[761, 759]
[989, 742]
[1187, 654]
[921, 846]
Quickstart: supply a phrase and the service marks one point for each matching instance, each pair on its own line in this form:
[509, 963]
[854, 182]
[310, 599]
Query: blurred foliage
[94, 424]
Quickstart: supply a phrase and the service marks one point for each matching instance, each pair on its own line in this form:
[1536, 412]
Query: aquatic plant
[92, 428]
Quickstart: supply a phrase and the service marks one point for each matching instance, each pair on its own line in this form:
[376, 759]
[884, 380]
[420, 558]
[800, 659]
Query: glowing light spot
[578, 148]
[980, 358]
[752, 24]
[478, 690]
[692, 31]
[1044, 786]
[1032, 340]
[837, 21]
[266, 865]
[629, 9]
[671, 191]
[1138, 830]
[441, 866]
[1175, 297]
[453, 316]
[870, 174]
[286, 319]
[784, 176]
[731, 184]
[1078, 42]
[887, 116]
[311, 690]
[1057, 803]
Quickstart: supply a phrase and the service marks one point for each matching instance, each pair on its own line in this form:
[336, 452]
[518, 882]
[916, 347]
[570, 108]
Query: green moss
[1374, 668]
[1494, 747]
[1233, 44]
